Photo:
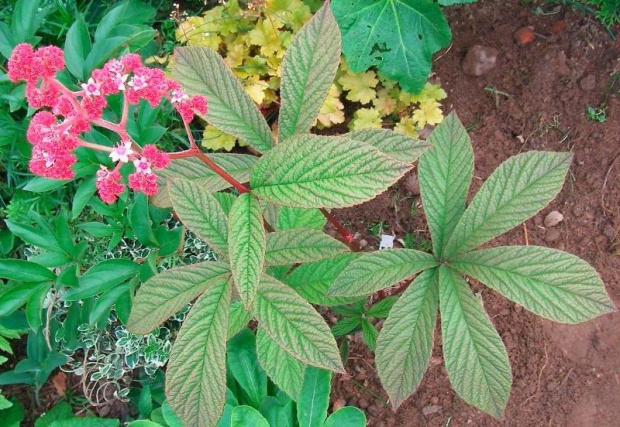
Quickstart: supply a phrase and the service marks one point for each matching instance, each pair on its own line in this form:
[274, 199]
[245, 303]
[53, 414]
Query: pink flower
[143, 166]
[122, 152]
[178, 95]
[131, 62]
[92, 87]
[51, 59]
[158, 159]
[189, 107]
[47, 95]
[54, 165]
[94, 106]
[145, 182]
[27, 64]
[109, 184]
[114, 66]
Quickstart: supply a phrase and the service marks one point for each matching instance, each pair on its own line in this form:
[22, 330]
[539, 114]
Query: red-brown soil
[562, 375]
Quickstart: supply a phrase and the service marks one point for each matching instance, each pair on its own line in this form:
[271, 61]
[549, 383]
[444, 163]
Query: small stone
[588, 82]
[363, 243]
[577, 211]
[538, 220]
[524, 35]
[434, 400]
[558, 27]
[504, 312]
[610, 232]
[352, 401]
[363, 403]
[518, 308]
[552, 235]
[479, 60]
[374, 410]
[553, 218]
[412, 184]
[360, 377]
[339, 403]
[430, 410]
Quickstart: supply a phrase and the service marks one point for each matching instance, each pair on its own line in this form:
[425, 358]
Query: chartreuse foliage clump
[551, 283]
[267, 229]
[253, 42]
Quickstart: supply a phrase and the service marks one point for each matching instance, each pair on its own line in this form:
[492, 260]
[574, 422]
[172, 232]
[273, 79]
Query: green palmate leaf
[24, 271]
[312, 280]
[284, 370]
[445, 173]
[289, 218]
[382, 308]
[294, 325]
[399, 37]
[238, 166]
[551, 283]
[349, 416]
[300, 245]
[239, 317]
[406, 340]
[196, 374]
[246, 246]
[314, 399]
[243, 363]
[346, 326]
[200, 212]
[396, 145]
[311, 171]
[475, 357]
[202, 71]
[244, 416]
[378, 270]
[517, 189]
[308, 70]
[165, 294]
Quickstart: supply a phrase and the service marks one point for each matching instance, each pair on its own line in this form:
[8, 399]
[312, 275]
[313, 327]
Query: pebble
[552, 235]
[479, 60]
[609, 231]
[434, 400]
[538, 220]
[412, 184]
[339, 403]
[518, 308]
[363, 243]
[577, 211]
[553, 218]
[352, 401]
[374, 410]
[504, 312]
[588, 82]
[363, 403]
[430, 410]
[524, 35]
[558, 27]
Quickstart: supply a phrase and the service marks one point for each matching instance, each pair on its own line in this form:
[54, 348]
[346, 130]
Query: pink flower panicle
[54, 133]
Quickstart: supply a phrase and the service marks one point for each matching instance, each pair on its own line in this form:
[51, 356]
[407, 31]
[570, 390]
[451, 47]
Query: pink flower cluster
[54, 133]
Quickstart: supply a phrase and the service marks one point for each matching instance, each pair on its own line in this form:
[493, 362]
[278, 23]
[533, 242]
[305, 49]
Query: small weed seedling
[551, 283]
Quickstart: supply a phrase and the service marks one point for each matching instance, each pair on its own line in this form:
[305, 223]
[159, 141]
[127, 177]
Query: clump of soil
[534, 99]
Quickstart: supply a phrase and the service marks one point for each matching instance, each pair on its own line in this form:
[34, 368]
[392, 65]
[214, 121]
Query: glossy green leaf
[34, 307]
[202, 71]
[445, 173]
[349, 416]
[196, 373]
[244, 416]
[378, 270]
[101, 277]
[551, 283]
[284, 370]
[398, 37]
[243, 364]
[475, 357]
[295, 325]
[517, 189]
[199, 211]
[24, 271]
[370, 334]
[312, 280]
[165, 294]
[308, 71]
[140, 221]
[238, 166]
[314, 398]
[396, 145]
[311, 171]
[77, 46]
[405, 342]
[246, 246]
[300, 245]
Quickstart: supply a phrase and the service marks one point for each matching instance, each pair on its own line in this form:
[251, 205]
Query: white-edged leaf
[516, 190]
[300, 245]
[238, 166]
[202, 71]
[311, 171]
[474, 354]
[551, 283]
[284, 370]
[396, 145]
[314, 400]
[313, 279]
[445, 172]
[165, 294]
[308, 70]
[246, 246]
[405, 342]
[199, 211]
[197, 368]
[295, 325]
[378, 270]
